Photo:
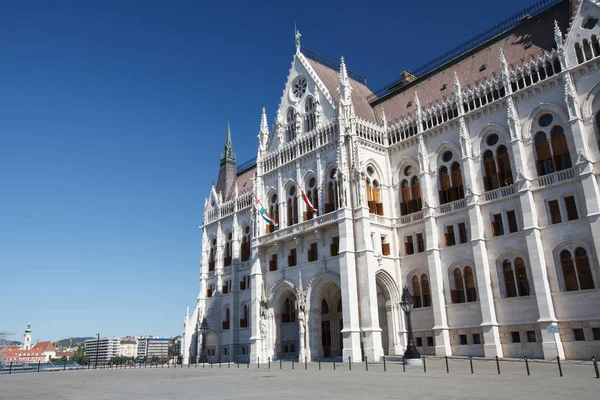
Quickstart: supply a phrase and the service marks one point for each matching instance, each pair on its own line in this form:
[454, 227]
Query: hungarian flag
[264, 214]
[306, 200]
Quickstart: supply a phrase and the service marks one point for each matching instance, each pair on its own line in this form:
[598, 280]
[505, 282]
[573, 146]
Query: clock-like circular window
[299, 87]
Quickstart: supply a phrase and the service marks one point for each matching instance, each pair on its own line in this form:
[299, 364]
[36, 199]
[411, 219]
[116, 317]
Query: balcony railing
[454, 206]
[500, 192]
[414, 217]
[556, 177]
[380, 220]
[301, 227]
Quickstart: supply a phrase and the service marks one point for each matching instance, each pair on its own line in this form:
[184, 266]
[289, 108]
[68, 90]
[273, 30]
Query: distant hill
[76, 340]
[13, 343]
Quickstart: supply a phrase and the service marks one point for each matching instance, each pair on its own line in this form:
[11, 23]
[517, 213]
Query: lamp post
[407, 306]
[204, 330]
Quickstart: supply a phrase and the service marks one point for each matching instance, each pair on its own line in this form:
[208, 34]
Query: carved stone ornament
[582, 158]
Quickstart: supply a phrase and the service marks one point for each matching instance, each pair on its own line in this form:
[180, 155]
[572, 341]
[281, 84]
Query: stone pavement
[259, 383]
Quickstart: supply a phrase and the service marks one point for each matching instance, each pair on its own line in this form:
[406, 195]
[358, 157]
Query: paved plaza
[263, 383]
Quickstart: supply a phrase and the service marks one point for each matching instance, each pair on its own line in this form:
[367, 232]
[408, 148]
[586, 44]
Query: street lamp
[407, 306]
[204, 330]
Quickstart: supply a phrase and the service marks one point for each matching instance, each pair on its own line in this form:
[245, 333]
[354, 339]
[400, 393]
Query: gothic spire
[344, 89]
[263, 133]
[228, 155]
[558, 37]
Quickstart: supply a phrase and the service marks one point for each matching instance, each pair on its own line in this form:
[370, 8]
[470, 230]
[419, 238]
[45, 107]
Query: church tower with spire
[228, 169]
[26, 345]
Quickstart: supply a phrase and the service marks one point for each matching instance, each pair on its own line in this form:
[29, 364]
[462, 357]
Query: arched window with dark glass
[226, 319]
[292, 206]
[444, 185]
[416, 292]
[576, 269]
[551, 148]
[228, 250]
[324, 307]
[515, 278]
[212, 254]
[332, 203]
[290, 128]
[309, 114]
[313, 196]
[273, 211]
[420, 291]
[425, 291]
[464, 285]
[497, 171]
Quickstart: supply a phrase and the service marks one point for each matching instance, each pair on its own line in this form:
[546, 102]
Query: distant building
[128, 347]
[157, 348]
[25, 354]
[104, 351]
[141, 348]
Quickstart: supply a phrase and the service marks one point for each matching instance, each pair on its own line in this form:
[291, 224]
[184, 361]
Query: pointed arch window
[290, 127]
[324, 307]
[514, 273]
[292, 206]
[410, 192]
[245, 315]
[497, 171]
[289, 311]
[212, 254]
[309, 114]
[420, 291]
[228, 250]
[332, 203]
[373, 190]
[551, 148]
[313, 196]
[576, 269]
[450, 179]
[463, 282]
[245, 243]
[226, 320]
[273, 211]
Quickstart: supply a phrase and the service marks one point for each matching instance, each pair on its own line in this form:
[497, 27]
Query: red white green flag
[306, 200]
[264, 214]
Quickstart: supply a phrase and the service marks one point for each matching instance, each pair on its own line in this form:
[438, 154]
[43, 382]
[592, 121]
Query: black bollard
[424, 365]
[280, 363]
[498, 364]
[228, 362]
[10, 368]
[559, 367]
[257, 362]
[596, 367]
[319, 363]
[366, 363]
[38, 366]
[403, 365]
[447, 368]
[65, 365]
[334, 364]
[349, 363]
[269, 361]
[384, 368]
[292, 363]
[248, 365]
[305, 364]
[471, 362]
[219, 363]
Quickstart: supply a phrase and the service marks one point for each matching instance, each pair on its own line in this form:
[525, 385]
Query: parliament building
[473, 181]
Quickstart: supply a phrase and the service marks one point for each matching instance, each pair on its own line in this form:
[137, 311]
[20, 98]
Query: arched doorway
[384, 308]
[286, 344]
[328, 322]
[388, 311]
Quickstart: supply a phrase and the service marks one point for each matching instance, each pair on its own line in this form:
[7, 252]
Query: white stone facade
[504, 262]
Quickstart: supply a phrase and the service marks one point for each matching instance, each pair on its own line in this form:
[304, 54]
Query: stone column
[436, 271]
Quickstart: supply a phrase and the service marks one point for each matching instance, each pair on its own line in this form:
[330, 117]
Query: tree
[3, 342]
[79, 357]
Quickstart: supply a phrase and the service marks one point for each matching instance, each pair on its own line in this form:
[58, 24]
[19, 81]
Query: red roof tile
[539, 30]
[44, 346]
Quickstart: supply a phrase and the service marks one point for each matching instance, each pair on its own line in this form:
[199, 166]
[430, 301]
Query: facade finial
[345, 89]
[297, 36]
[503, 63]
[570, 98]
[263, 132]
[418, 109]
[457, 87]
[279, 128]
[558, 37]
[318, 107]
[383, 119]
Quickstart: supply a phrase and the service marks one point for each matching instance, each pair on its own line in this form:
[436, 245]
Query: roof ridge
[332, 65]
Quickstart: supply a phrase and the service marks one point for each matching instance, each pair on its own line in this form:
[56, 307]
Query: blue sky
[112, 119]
